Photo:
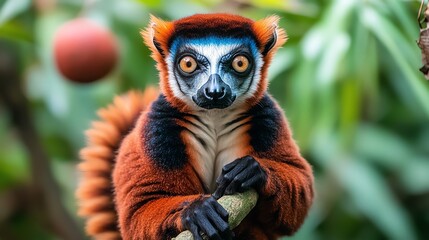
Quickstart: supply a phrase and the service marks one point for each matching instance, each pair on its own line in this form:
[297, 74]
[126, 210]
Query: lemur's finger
[207, 227]
[230, 165]
[219, 192]
[219, 209]
[193, 228]
[236, 183]
[249, 184]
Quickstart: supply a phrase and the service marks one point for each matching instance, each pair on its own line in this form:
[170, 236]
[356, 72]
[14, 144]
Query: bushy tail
[95, 191]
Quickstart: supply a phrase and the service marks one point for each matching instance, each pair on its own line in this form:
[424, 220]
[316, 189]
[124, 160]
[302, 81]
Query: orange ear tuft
[156, 36]
[267, 28]
[270, 38]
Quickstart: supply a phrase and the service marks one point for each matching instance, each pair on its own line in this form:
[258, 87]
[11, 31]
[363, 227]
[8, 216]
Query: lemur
[157, 162]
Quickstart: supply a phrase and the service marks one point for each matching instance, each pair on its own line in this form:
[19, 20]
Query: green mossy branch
[237, 205]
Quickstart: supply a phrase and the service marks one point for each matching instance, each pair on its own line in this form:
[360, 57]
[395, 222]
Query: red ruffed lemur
[156, 162]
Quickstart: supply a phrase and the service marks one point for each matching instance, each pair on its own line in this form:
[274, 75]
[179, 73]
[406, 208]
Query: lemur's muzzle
[215, 93]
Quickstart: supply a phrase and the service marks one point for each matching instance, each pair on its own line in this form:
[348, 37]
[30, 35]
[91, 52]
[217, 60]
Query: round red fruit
[84, 51]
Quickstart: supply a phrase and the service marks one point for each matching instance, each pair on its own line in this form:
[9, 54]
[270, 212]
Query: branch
[237, 205]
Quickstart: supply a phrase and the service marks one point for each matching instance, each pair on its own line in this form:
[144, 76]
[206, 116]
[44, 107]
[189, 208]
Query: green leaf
[271, 4]
[151, 3]
[414, 175]
[13, 164]
[331, 58]
[382, 146]
[15, 31]
[403, 55]
[370, 193]
[282, 61]
[400, 13]
[11, 8]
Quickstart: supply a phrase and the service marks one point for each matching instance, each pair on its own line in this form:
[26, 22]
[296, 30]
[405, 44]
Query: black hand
[240, 175]
[209, 217]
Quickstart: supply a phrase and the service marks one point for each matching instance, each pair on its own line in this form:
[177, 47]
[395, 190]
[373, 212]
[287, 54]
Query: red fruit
[84, 51]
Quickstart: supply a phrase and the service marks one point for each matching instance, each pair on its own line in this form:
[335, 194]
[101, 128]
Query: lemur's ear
[270, 44]
[156, 36]
[269, 35]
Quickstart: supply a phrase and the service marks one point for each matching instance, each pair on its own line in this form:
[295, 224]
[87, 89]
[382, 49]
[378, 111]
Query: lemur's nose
[215, 88]
[215, 93]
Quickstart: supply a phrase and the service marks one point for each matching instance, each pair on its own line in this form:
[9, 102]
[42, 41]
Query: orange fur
[162, 32]
[193, 160]
[128, 191]
[150, 198]
[264, 30]
[288, 194]
[95, 193]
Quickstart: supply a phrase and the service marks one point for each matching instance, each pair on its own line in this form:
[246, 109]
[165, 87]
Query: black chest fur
[162, 134]
[265, 124]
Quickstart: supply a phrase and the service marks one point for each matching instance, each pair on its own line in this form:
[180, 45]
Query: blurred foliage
[348, 80]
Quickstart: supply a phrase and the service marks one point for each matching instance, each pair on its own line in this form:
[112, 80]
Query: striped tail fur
[95, 193]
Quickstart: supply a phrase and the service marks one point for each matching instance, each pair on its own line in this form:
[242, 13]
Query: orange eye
[240, 63]
[188, 64]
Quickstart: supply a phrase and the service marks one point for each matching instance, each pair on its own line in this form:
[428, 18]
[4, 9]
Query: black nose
[215, 93]
[215, 89]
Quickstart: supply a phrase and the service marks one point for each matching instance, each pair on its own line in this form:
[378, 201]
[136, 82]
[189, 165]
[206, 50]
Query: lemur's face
[214, 72]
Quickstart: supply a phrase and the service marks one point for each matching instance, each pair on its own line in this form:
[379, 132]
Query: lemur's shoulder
[266, 121]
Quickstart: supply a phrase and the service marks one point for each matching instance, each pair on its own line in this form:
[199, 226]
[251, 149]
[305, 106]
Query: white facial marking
[212, 142]
[214, 52]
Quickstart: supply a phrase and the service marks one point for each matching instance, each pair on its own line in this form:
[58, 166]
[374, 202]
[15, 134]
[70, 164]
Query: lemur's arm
[287, 195]
[158, 203]
[141, 192]
[275, 168]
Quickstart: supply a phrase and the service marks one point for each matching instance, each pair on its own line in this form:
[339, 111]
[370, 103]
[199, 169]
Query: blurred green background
[347, 78]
